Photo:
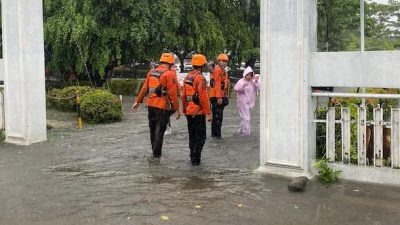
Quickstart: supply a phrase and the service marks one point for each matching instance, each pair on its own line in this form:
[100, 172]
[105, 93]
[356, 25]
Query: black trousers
[197, 136]
[158, 120]
[217, 117]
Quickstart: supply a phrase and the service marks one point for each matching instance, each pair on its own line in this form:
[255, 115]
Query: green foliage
[123, 87]
[339, 22]
[387, 18]
[240, 24]
[352, 103]
[65, 99]
[91, 37]
[130, 72]
[2, 136]
[386, 104]
[100, 106]
[320, 133]
[86, 35]
[326, 173]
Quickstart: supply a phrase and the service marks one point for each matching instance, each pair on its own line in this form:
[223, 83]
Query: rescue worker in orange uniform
[172, 111]
[219, 83]
[161, 91]
[196, 107]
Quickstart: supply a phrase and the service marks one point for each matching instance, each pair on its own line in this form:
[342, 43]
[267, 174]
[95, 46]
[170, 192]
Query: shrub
[100, 106]
[326, 174]
[64, 99]
[139, 86]
[2, 136]
[51, 84]
[83, 83]
[123, 87]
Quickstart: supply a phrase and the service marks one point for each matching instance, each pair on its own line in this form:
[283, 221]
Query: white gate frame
[291, 65]
[22, 69]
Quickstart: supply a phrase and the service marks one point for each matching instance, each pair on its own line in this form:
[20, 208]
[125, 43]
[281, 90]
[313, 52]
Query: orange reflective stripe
[168, 97]
[189, 85]
[199, 87]
[155, 89]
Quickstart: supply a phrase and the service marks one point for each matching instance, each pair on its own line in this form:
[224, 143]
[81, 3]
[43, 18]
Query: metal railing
[371, 147]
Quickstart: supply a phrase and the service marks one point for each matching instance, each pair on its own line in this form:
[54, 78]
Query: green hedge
[139, 86]
[59, 84]
[130, 74]
[64, 99]
[123, 87]
[2, 136]
[100, 106]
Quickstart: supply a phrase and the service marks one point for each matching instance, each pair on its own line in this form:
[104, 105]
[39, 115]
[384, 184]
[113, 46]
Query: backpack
[155, 89]
[190, 90]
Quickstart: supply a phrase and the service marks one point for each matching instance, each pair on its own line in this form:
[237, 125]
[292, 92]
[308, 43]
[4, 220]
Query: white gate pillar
[288, 36]
[24, 81]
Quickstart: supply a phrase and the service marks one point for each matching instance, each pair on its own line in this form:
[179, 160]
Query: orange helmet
[198, 60]
[223, 57]
[167, 58]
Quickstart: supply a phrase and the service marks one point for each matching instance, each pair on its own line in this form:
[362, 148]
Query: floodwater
[104, 175]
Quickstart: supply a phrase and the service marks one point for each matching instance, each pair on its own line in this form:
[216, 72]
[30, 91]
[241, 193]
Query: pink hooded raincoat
[246, 92]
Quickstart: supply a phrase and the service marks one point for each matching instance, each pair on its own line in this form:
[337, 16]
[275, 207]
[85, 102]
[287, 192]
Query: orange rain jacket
[199, 86]
[168, 81]
[220, 77]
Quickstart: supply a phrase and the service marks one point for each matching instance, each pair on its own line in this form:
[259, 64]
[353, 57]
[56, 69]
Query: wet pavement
[103, 175]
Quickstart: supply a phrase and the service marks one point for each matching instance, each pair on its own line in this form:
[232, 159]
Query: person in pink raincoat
[246, 90]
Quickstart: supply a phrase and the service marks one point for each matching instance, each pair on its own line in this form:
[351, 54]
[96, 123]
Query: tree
[184, 26]
[240, 22]
[339, 23]
[87, 35]
[91, 36]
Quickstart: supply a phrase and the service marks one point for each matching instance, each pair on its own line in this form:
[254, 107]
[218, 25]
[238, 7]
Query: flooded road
[104, 175]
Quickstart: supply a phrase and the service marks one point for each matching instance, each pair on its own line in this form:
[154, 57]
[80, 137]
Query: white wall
[356, 69]
[23, 54]
[287, 38]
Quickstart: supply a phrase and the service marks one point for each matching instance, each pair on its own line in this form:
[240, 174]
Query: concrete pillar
[24, 81]
[288, 36]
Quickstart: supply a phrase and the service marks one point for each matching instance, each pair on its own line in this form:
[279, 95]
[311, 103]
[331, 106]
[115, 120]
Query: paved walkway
[102, 175]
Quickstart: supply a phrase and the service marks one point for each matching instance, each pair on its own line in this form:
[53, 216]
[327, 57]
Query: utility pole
[362, 31]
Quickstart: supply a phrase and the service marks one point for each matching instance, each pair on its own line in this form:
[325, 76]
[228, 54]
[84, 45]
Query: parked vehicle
[256, 67]
[187, 65]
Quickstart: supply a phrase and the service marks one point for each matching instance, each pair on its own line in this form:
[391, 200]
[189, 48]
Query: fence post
[345, 122]
[78, 109]
[330, 134]
[361, 136]
[378, 137]
[395, 138]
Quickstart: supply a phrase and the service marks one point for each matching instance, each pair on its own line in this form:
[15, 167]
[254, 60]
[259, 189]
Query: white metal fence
[377, 141]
